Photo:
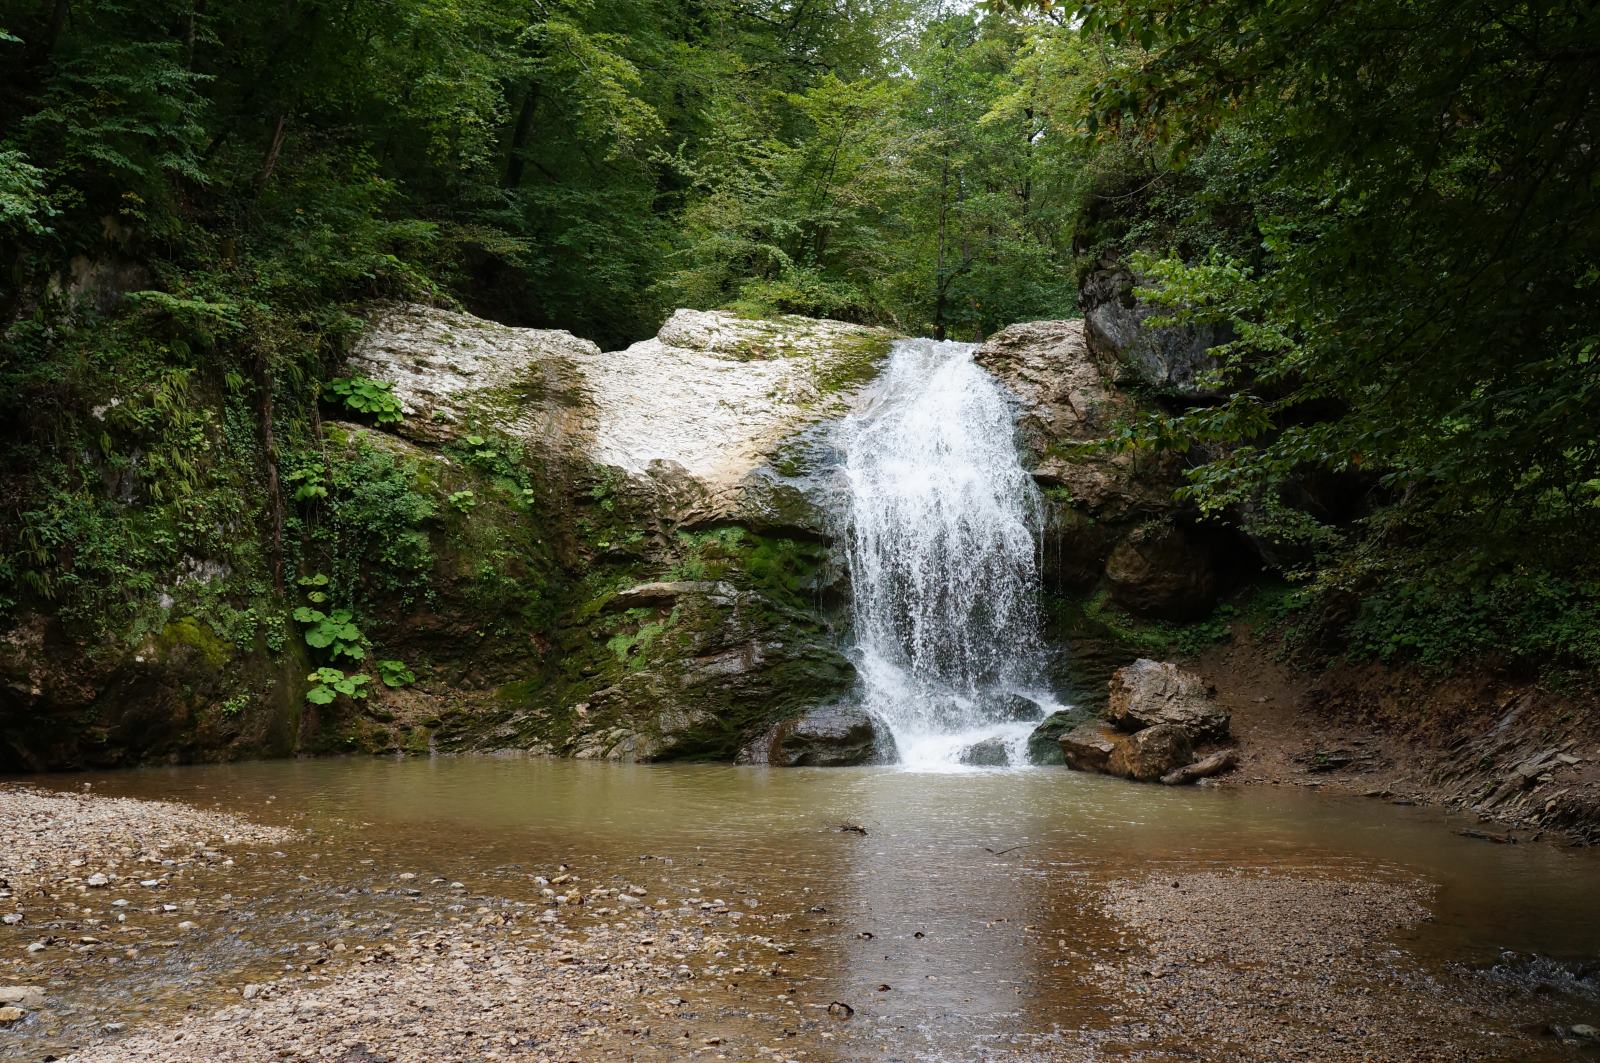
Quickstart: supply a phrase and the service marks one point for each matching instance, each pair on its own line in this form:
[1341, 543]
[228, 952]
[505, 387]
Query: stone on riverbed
[990, 753]
[26, 996]
[828, 737]
[1156, 716]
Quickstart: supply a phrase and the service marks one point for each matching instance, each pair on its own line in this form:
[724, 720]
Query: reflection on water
[971, 897]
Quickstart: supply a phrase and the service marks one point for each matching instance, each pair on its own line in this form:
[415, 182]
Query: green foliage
[328, 683]
[395, 674]
[462, 501]
[370, 398]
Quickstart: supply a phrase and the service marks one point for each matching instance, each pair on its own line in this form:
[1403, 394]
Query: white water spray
[942, 548]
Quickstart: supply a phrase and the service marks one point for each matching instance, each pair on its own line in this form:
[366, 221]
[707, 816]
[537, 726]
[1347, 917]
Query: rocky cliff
[597, 554]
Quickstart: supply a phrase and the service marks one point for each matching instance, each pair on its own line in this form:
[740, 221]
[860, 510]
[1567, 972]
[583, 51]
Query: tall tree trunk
[521, 133]
[196, 9]
[55, 22]
[270, 162]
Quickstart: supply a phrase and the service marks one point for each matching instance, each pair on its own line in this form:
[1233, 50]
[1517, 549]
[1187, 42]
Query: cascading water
[943, 559]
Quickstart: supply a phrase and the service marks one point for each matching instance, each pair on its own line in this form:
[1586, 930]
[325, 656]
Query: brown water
[971, 895]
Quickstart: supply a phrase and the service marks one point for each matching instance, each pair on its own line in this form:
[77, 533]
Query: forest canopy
[1390, 208]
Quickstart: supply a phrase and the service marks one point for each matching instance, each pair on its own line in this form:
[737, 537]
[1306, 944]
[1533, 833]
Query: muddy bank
[1521, 759]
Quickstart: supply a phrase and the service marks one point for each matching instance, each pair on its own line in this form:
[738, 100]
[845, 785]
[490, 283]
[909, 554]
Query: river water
[974, 896]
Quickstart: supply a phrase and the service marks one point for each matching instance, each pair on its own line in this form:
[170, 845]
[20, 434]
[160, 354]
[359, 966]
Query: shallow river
[971, 895]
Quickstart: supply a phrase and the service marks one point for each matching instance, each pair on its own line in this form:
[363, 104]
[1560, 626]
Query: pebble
[11, 1015]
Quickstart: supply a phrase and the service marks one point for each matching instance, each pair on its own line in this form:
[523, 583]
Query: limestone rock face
[1154, 693]
[1168, 359]
[1159, 572]
[826, 736]
[1067, 403]
[712, 399]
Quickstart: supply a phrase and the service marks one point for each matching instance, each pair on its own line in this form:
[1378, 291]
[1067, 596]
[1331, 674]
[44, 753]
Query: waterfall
[942, 550]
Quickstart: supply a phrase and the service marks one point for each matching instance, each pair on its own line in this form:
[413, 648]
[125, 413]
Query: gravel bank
[1252, 966]
[58, 842]
[523, 989]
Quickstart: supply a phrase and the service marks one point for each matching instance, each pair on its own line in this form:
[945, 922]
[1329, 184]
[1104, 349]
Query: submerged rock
[990, 753]
[1014, 708]
[1150, 693]
[827, 737]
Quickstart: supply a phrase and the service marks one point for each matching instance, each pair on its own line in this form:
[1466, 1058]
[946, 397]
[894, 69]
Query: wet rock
[1156, 571]
[664, 595]
[25, 996]
[1147, 755]
[1011, 707]
[1150, 693]
[830, 736]
[1068, 401]
[990, 753]
[1090, 745]
[1044, 744]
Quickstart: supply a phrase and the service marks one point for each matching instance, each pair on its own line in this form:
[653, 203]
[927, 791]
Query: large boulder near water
[824, 737]
[1152, 693]
[1156, 718]
[1148, 754]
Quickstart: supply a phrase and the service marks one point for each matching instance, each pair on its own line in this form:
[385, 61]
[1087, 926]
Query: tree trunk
[521, 133]
[271, 160]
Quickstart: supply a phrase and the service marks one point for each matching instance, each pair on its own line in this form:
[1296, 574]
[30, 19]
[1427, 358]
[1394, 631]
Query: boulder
[1147, 755]
[1044, 744]
[829, 736]
[1090, 746]
[1014, 708]
[990, 753]
[1170, 359]
[1149, 694]
[1156, 571]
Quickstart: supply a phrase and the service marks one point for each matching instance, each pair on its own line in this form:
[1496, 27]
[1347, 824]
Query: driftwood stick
[1204, 768]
